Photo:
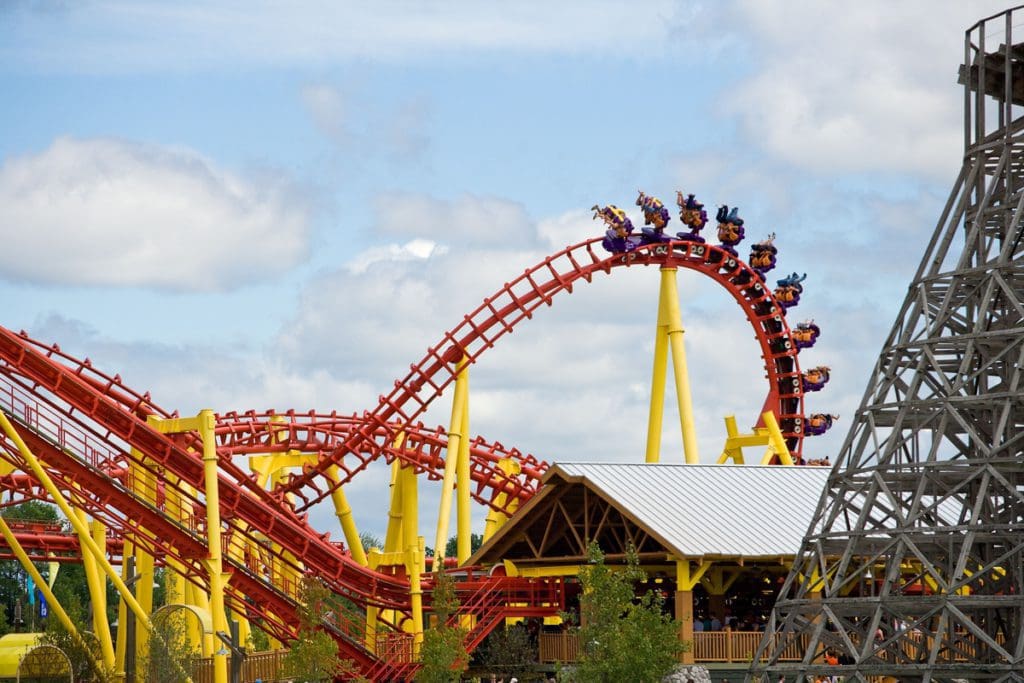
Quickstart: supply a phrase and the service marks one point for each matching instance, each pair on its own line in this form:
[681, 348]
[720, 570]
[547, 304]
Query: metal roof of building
[715, 510]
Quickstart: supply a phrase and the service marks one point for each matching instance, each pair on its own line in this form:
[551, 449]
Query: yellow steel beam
[205, 424]
[682, 377]
[455, 436]
[659, 374]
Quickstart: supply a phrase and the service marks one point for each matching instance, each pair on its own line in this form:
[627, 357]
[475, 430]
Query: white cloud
[414, 249]
[467, 219]
[111, 36]
[116, 213]
[870, 87]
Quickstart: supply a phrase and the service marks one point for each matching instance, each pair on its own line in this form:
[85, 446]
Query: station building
[716, 540]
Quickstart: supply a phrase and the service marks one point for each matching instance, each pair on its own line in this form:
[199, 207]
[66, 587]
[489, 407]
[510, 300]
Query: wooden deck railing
[709, 646]
[265, 666]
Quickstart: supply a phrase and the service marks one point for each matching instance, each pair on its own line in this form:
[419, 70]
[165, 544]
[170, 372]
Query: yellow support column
[98, 591]
[205, 423]
[659, 374]
[414, 549]
[215, 569]
[682, 377]
[57, 497]
[455, 436]
[343, 511]
[496, 520]
[463, 485]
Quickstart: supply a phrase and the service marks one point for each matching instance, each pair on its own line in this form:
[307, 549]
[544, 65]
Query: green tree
[510, 652]
[443, 654]
[623, 637]
[12, 576]
[313, 656]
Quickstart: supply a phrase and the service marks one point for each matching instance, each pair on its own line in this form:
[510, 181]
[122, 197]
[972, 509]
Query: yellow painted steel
[658, 375]
[143, 484]
[205, 423]
[463, 484]
[682, 376]
[98, 591]
[41, 584]
[90, 545]
[770, 435]
[495, 519]
[414, 547]
[687, 578]
[455, 437]
[343, 511]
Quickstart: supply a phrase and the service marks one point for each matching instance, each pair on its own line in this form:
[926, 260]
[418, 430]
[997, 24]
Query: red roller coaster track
[82, 423]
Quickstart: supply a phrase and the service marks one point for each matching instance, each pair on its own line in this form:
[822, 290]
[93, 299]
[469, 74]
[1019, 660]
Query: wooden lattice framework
[914, 565]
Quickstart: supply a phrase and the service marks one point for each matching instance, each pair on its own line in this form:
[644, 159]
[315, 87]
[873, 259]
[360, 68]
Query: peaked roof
[699, 510]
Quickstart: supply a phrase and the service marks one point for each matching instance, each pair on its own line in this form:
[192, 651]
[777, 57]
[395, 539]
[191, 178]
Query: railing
[708, 646]
[265, 666]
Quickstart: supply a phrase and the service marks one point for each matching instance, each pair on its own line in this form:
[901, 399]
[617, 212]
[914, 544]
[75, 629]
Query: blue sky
[242, 205]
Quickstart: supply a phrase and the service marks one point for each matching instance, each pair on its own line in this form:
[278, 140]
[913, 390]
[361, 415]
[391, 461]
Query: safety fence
[266, 667]
[710, 646]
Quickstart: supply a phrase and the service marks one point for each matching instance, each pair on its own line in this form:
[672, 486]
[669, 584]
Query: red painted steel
[82, 424]
[516, 302]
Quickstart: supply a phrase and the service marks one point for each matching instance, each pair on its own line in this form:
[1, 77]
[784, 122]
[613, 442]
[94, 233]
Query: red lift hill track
[89, 430]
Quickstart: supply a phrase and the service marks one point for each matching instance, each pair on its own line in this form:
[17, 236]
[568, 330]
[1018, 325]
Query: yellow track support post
[343, 511]
[658, 375]
[414, 549]
[455, 437]
[97, 590]
[144, 486]
[669, 338]
[463, 501]
[495, 519]
[770, 435]
[90, 545]
[682, 375]
[205, 423]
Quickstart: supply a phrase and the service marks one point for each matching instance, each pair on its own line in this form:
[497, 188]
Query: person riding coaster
[819, 423]
[789, 290]
[655, 214]
[730, 228]
[763, 256]
[692, 215]
[805, 334]
[618, 238]
[815, 379]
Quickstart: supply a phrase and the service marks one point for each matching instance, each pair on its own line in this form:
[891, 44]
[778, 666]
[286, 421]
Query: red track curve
[116, 416]
[516, 301]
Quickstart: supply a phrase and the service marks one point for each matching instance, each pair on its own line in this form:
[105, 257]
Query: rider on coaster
[692, 215]
[655, 214]
[618, 238]
[730, 228]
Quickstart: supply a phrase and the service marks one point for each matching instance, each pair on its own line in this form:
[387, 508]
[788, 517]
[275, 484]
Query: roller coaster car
[730, 228]
[655, 214]
[763, 256]
[819, 423]
[619, 236]
[805, 334]
[789, 289]
[816, 378]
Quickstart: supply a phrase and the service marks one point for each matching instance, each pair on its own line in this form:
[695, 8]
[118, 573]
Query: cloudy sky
[258, 205]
